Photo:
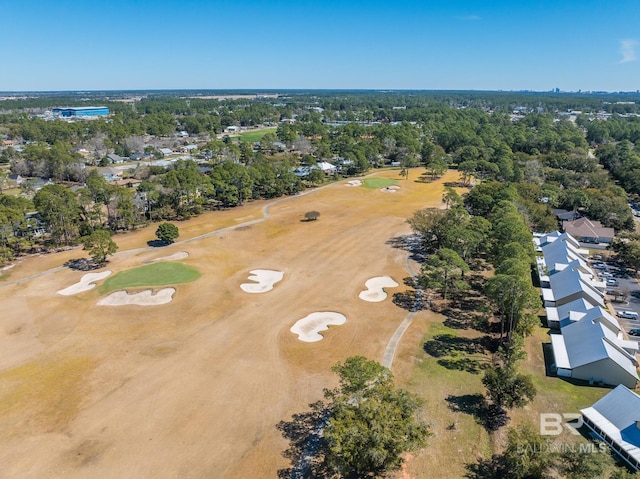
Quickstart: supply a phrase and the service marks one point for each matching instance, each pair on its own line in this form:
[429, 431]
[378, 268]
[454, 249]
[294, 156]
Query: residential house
[588, 231]
[166, 151]
[327, 168]
[38, 183]
[188, 148]
[128, 182]
[591, 350]
[16, 180]
[115, 159]
[302, 171]
[557, 253]
[616, 420]
[590, 344]
[572, 283]
[110, 174]
[558, 316]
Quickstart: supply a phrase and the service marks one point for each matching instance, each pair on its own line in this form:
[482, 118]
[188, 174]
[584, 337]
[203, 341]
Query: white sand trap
[265, 278]
[353, 183]
[143, 298]
[374, 292]
[85, 284]
[173, 257]
[390, 189]
[308, 328]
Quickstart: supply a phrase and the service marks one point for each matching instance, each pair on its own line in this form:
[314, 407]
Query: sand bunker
[265, 278]
[85, 284]
[308, 328]
[353, 183]
[374, 292]
[390, 189]
[143, 298]
[173, 257]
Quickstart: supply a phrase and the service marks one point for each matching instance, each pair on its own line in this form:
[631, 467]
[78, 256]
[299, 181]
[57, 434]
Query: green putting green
[155, 274]
[378, 182]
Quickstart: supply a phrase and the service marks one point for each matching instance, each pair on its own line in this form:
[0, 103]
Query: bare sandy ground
[173, 257]
[265, 279]
[390, 189]
[308, 328]
[86, 283]
[375, 289]
[194, 388]
[353, 183]
[142, 298]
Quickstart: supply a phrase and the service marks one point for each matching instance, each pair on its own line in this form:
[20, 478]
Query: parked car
[612, 282]
[627, 314]
[600, 266]
[634, 332]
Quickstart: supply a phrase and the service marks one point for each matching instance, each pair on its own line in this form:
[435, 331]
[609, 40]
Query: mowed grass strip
[155, 274]
[378, 182]
[253, 136]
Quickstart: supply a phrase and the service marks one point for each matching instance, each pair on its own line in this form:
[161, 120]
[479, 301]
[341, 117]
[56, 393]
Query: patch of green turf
[253, 136]
[155, 274]
[571, 395]
[375, 183]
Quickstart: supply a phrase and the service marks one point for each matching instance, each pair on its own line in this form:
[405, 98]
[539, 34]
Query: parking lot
[624, 295]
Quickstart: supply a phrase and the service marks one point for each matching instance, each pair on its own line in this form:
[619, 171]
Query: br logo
[552, 424]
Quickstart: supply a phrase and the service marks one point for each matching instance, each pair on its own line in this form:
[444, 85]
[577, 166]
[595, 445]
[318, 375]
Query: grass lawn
[448, 373]
[156, 274]
[374, 183]
[555, 394]
[12, 191]
[253, 136]
[451, 390]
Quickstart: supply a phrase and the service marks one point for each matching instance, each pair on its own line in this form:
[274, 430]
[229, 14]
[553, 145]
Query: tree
[167, 232]
[515, 297]
[576, 466]
[436, 167]
[627, 247]
[99, 245]
[372, 423]
[444, 270]
[508, 389]
[528, 455]
[311, 215]
[522, 459]
[60, 209]
[451, 198]
[467, 169]
[4, 180]
[316, 176]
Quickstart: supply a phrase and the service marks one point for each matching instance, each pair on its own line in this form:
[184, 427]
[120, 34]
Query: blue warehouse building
[84, 111]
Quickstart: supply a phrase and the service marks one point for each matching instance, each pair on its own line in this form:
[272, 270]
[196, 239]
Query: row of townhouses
[588, 342]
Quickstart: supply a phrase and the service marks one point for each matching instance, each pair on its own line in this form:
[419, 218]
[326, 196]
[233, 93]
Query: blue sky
[402, 44]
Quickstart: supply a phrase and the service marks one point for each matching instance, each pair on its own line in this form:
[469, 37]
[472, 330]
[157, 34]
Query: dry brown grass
[195, 388]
